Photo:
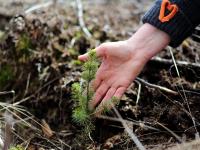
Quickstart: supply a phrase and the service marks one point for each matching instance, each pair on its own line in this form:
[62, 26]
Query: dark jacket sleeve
[181, 25]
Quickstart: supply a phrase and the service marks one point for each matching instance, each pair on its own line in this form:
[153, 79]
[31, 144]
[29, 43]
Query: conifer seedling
[83, 93]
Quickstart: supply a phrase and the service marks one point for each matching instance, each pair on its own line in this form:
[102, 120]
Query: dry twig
[170, 131]
[80, 18]
[138, 123]
[128, 130]
[156, 86]
[138, 93]
[186, 99]
[179, 63]
[7, 92]
[8, 130]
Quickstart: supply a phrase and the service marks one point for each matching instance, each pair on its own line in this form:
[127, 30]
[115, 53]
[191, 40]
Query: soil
[38, 60]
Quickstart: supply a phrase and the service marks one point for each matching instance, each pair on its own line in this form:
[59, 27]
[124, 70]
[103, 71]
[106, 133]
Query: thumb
[83, 57]
[100, 51]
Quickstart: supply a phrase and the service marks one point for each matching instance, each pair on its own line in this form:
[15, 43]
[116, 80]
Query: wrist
[148, 41]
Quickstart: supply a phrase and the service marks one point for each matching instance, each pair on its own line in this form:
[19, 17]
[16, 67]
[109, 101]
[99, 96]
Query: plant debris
[38, 61]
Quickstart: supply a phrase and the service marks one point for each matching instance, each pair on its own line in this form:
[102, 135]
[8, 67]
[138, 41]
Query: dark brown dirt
[42, 69]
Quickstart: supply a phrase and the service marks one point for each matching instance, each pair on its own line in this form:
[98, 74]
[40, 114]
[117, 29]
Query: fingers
[100, 50]
[96, 83]
[109, 94]
[120, 91]
[112, 92]
[104, 102]
[100, 92]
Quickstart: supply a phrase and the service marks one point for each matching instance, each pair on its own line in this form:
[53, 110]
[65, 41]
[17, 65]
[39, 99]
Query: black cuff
[178, 28]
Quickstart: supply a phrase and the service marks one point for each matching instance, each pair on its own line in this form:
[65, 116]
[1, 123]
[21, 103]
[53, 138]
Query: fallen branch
[156, 86]
[128, 130]
[170, 131]
[7, 92]
[179, 63]
[80, 19]
[137, 123]
[186, 99]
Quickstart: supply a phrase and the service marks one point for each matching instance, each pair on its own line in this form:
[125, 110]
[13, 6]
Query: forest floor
[38, 60]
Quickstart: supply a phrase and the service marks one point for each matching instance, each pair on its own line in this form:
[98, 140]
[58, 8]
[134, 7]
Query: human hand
[122, 61]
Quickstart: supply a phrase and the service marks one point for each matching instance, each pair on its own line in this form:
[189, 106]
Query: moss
[18, 147]
[79, 34]
[23, 47]
[76, 62]
[6, 75]
[73, 52]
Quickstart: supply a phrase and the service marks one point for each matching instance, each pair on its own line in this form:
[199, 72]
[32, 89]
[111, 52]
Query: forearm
[181, 25]
[148, 41]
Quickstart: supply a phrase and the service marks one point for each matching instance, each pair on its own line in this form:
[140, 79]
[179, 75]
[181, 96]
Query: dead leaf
[46, 129]
[111, 142]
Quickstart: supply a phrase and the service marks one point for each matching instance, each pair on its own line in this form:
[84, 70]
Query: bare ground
[38, 61]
